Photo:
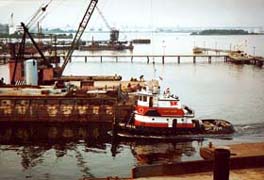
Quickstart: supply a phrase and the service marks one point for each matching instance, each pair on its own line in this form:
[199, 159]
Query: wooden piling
[131, 59]
[225, 59]
[116, 58]
[163, 59]
[221, 164]
[194, 59]
[101, 58]
[85, 59]
[209, 59]
[148, 59]
[179, 59]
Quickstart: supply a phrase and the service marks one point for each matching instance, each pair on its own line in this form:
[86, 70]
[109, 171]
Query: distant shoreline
[223, 32]
[34, 35]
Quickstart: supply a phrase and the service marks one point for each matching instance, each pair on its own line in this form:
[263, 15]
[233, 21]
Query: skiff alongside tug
[161, 115]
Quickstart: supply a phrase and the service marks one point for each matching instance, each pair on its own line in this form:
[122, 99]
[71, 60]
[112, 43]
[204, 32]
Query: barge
[77, 101]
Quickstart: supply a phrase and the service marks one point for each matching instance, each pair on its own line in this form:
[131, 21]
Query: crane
[104, 19]
[78, 35]
[38, 16]
[114, 33]
[21, 50]
[57, 71]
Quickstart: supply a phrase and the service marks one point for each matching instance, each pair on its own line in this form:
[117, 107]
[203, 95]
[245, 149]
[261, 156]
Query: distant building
[4, 29]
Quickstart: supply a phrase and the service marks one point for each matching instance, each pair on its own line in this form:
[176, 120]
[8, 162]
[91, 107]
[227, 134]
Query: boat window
[145, 98]
[4, 102]
[140, 98]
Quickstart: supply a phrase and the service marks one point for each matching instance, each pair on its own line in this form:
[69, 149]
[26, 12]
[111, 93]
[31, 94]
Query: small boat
[240, 58]
[162, 116]
[197, 50]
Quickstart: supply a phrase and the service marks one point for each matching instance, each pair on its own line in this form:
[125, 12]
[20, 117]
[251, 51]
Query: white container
[31, 72]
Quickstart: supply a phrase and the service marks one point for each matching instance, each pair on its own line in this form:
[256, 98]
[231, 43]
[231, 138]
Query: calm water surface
[216, 90]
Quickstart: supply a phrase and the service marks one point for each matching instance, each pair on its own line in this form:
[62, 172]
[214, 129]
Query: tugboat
[162, 116]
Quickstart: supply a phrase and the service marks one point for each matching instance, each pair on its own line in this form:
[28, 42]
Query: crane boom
[104, 19]
[81, 29]
[38, 15]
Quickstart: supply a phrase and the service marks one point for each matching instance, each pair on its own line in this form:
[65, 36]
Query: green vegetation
[222, 32]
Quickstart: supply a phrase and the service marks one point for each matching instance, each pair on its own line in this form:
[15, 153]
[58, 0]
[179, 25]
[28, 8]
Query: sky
[146, 13]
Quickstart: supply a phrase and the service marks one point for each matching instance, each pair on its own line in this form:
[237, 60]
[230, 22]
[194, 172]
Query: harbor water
[216, 90]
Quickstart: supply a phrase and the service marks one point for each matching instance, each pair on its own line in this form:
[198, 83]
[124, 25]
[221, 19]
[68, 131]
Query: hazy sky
[132, 13]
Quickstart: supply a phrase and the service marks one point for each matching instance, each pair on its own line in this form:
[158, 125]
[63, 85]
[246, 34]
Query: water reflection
[86, 150]
[161, 152]
[156, 151]
[34, 144]
[35, 133]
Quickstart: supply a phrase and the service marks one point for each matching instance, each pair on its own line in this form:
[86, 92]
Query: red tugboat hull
[210, 128]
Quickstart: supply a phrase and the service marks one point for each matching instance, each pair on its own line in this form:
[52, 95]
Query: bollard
[179, 59]
[221, 164]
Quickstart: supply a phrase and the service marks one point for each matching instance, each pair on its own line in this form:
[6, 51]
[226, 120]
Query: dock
[148, 58]
[244, 174]
[217, 51]
[178, 58]
[246, 162]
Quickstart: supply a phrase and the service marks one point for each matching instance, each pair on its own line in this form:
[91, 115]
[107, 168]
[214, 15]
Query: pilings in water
[194, 59]
[209, 59]
[171, 58]
[178, 58]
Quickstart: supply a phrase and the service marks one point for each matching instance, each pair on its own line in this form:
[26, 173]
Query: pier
[217, 51]
[177, 58]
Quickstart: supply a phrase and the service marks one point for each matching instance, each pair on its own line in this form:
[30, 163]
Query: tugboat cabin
[155, 110]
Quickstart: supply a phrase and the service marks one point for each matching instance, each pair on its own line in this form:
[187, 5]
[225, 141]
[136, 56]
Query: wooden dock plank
[243, 174]
[237, 150]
